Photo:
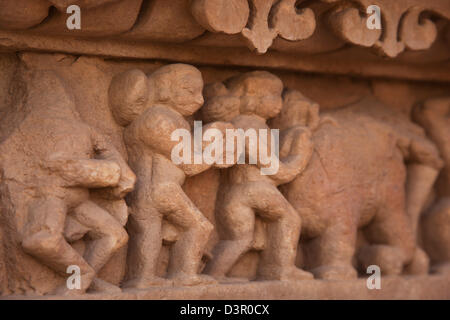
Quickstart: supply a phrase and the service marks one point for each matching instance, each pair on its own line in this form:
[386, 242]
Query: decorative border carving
[403, 26]
[260, 23]
[218, 30]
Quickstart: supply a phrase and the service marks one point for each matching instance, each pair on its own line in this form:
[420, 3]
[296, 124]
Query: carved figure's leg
[106, 236]
[187, 251]
[436, 235]
[144, 248]
[420, 182]
[434, 116]
[43, 238]
[236, 220]
[283, 233]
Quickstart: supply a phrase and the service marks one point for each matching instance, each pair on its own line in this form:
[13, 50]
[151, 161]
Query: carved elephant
[355, 180]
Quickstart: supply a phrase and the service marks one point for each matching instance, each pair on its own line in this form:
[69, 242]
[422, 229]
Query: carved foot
[145, 283]
[85, 282]
[420, 263]
[389, 259]
[338, 272]
[183, 279]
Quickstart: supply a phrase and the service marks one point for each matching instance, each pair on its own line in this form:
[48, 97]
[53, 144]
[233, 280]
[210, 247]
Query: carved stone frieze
[148, 153]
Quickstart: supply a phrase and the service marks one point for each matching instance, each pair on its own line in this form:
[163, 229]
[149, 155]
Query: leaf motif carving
[260, 23]
[227, 16]
[402, 24]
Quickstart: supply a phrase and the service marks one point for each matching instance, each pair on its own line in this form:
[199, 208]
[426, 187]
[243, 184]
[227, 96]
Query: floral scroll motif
[403, 25]
[259, 21]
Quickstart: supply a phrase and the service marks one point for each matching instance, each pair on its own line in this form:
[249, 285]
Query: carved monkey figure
[55, 158]
[152, 108]
[248, 100]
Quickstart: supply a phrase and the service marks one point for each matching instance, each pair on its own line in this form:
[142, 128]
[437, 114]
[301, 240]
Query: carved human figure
[355, 179]
[60, 158]
[152, 108]
[434, 116]
[246, 194]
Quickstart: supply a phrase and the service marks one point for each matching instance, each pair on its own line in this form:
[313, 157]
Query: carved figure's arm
[105, 150]
[140, 198]
[166, 134]
[295, 153]
[434, 116]
[193, 169]
[425, 152]
[417, 148]
[88, 173]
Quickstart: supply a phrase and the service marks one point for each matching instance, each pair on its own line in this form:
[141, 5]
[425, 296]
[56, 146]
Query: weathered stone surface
[343, 162]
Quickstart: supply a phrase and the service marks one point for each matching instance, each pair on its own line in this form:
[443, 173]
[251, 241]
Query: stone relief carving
[265, 20]
[359, 196]
[434, 116]
[152, 108]
[86, 171]
[23, 14]
[244, 195]
[359, 182]
[404, 24]
[350, 190]
[50, 161]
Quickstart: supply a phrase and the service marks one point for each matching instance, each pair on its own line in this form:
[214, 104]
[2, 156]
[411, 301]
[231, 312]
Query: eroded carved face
[259, 92]
[128, 96]
[179, 86]
[297, 110]
[187, 94]
[264, 101]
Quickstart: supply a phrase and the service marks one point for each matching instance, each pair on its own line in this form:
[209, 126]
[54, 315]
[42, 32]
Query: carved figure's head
[297, 110]
[257, 92]
[128, 96]
[432, 111]
[179, 86]
[260, 93]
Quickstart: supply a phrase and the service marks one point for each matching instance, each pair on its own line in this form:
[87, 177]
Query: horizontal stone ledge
[392, 288]
[350, 62]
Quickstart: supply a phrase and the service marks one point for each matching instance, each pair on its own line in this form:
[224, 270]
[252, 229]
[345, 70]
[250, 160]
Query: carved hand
[126, 183]
[295, 141]
[296, 151]
[222, 127]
